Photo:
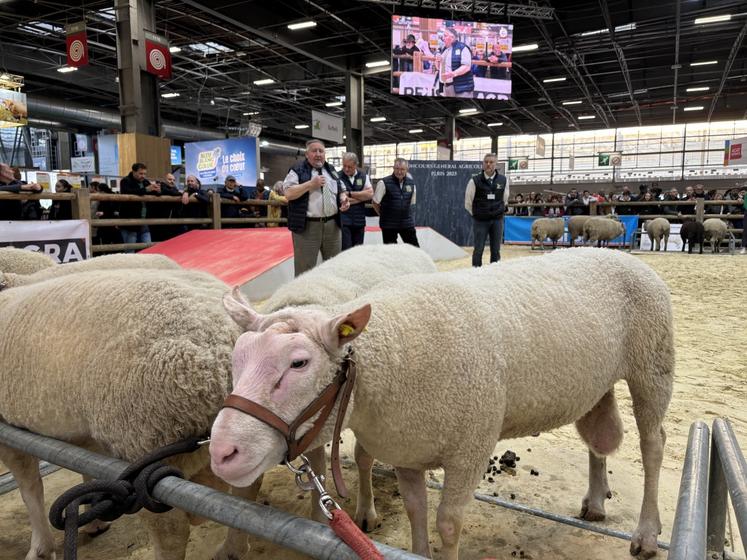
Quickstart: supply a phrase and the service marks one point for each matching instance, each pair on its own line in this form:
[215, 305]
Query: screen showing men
[447, 58]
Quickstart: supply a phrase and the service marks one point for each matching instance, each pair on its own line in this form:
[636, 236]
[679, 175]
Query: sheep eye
[298, 364]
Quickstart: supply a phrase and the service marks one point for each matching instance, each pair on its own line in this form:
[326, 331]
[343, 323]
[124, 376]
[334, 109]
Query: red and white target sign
[77, 44]
[157, 58]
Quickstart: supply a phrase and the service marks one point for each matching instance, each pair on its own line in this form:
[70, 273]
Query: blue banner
[176, 155]
[518, 229]
[213, 160]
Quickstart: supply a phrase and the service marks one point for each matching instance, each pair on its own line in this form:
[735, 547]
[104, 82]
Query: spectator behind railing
[165, 210]
[672, 196]
[107, 210]
[62, 209]
[574, 206]
[536, 210]
[136, 184]
[194, 202]
[12, 209]
[30, 209]
[554, 211]
[231, 191]
[647, 210]
[277, 211]
[520, 210]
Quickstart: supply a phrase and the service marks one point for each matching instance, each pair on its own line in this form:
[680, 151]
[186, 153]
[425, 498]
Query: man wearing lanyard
[360, 191]
[315, 199]
[485, 199]
[393, 201]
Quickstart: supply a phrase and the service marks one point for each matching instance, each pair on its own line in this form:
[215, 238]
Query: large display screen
[213, 160]
[448, 58]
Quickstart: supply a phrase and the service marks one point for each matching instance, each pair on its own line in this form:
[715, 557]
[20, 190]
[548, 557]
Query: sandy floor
[707, 292]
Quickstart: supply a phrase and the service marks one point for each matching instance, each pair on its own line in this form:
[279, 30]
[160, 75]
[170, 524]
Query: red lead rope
[348, 531]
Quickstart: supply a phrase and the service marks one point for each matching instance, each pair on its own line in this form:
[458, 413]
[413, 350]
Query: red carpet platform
[261, 259]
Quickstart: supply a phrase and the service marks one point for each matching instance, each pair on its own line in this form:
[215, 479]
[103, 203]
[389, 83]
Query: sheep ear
[346, 328]
[240, 310]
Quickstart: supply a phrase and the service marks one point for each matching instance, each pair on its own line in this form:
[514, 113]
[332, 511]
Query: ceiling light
[639, 91]
[550, 80]
[66, 69]
[264, 82]
[264, 143]
[712, 19]
[175, 49]
[212, 101]
[333, 104]
[529, 47]
[415, 131]
[301, 25]
[571, 102]
[250, 113]
[301, 126]
[704, 63]
[586, 117]
[468, 110]
[170, 94]
[495, 124]
[377, 63]
[694, 108]
[701, 88]
[378, 119]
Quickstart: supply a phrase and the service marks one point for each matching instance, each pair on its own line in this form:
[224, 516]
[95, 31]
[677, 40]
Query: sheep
[108, 262]
[349, 274]
[692, 232]
[657, 229]
[547, 227]
[602, 230]
[440, 357]
[576, 225]
[20, 261]
[715, 231]
[150, 366]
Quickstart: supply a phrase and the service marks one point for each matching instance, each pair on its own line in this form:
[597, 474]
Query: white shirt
[319, 206]
[469, 194]
[381, 191]
[446, 60]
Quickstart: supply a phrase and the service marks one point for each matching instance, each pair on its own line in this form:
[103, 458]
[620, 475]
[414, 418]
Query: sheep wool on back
[20, 261]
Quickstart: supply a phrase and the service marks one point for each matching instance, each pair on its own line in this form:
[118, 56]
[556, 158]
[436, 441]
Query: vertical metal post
[354, 140]
[735, 470]
[717, 502]
[450, 134]
[689, 530]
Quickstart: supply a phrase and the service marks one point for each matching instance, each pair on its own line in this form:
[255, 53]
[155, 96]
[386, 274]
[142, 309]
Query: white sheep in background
[658, 231]
[20, 261]
[140, 359]
[715, 231]
[576, 227]
[542, 228]
[602, 230]
[443, 375]
[107, 262]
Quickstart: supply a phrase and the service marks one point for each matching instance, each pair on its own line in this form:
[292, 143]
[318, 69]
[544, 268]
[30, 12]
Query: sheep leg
[650, 400]
[236, 545]
[459, 484]
[666, 242]
[169, 533]
[318, 461]
[365, 512]
[25, 470]
[602, 430]
[412, 487]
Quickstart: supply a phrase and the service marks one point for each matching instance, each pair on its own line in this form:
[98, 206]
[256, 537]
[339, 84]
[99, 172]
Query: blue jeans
[141, 235]
[483, 229]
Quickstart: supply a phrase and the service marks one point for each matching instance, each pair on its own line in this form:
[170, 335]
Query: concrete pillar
[354, 114]
[445, 147]
[138, 90]
[494, 145]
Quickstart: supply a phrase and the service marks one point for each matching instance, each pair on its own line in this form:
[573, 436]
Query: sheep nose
[222, 454]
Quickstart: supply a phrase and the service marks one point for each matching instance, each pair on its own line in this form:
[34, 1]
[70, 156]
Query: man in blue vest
[360, 191]
[456, 67]
[485, 199]
[316, 197]
[393, 200]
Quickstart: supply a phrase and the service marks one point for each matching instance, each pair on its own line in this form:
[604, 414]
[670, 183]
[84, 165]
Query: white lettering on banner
[65, 241]
[426, 85]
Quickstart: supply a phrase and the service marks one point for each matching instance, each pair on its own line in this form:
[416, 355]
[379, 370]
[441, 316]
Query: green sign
[604, 159]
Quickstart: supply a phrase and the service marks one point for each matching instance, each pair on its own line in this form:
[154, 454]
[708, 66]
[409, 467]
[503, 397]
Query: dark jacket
[133, 210]
[61, 210]
[297, 208]
[356, 214]
[395, 206]
[488, 202]
[10, 209]
[465, 82]
[231, 210]
[197, 209]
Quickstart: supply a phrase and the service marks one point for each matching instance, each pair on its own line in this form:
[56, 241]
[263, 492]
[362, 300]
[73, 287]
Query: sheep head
[282, 362]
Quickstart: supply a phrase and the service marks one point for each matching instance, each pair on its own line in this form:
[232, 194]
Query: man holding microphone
[315, 199]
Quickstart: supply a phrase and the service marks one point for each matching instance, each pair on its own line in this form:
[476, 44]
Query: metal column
[354, 114]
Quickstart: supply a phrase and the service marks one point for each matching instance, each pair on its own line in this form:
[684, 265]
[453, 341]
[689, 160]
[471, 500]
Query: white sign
[735, 152]
[419, 83]
[326, 126]
[85, 164]
[539, 147]
[65, 241]
[673, 244]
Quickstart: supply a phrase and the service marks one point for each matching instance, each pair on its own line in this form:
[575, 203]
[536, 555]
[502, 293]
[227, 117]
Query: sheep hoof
[643, 547]
[368, 522]
[592, 512]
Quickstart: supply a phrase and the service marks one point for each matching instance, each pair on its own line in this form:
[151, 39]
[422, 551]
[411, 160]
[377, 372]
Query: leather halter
[341, 385]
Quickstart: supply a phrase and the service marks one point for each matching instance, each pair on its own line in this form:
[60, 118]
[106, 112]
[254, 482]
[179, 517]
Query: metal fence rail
[302, 535]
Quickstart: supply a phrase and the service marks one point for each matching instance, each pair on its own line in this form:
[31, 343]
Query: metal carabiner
[314, 482]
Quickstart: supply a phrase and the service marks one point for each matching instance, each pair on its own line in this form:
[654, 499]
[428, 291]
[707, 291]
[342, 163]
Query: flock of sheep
[603, 229]
[440, 355]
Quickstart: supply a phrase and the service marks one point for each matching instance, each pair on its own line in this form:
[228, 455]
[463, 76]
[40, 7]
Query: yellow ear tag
[345, 330]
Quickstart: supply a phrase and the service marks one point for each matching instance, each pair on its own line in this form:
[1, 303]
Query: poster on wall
[450, 58]
[65, 241]
[539, 147]
[326, 126]
[213, 160]
[108, 155]
[13, 109]
[42, 179]
[83, 164]
[735, 152]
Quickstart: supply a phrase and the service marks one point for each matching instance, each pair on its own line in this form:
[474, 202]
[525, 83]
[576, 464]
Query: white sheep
[350, 274]
[658, 230]
[20, 261]
[715, 231]
[443, 375]
[140, 359]
[576, 227]
[107, 262]
[542, 228]
[602, 230]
